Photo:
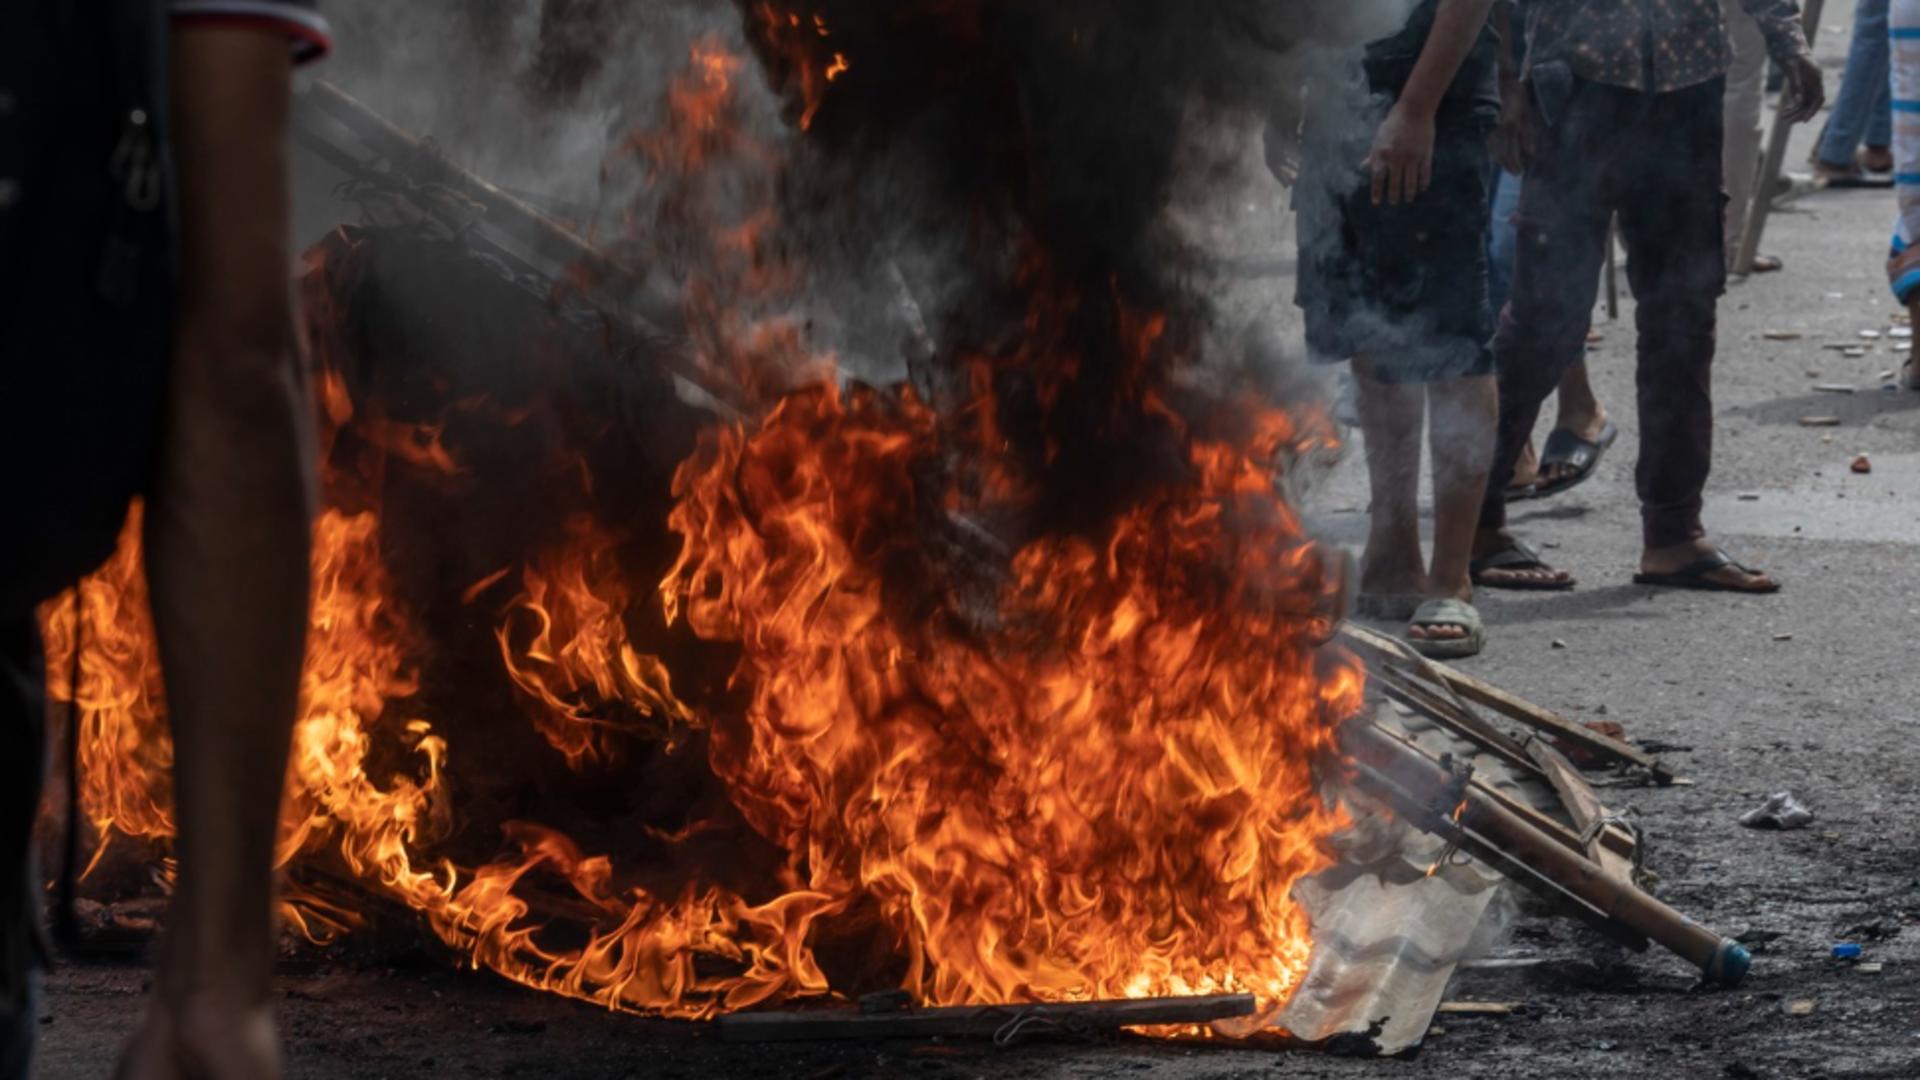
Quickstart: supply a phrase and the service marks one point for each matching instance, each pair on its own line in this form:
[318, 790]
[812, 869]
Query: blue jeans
[1864, 107]
[1501, 239]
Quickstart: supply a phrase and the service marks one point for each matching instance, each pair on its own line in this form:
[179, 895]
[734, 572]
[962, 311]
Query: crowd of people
[1501, 147]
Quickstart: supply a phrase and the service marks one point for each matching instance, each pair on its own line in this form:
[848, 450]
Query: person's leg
[1580, 409]
[1564, 207]
[1501, 241]
[1878, 156]
[1741, 107]
[1671, 222]
[1853, 106]
[1501, 238]
[1390, 417]
[228, 536]
[1879, 138]
[1462, 416]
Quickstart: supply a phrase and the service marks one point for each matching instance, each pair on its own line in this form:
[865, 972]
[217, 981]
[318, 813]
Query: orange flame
[1111, 793]
[574, 600]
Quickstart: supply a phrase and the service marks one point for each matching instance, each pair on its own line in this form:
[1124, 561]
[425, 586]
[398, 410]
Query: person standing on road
[1582, 432]
[1394, 279]
[149, 346]
[1861, 110]
[1618, 109]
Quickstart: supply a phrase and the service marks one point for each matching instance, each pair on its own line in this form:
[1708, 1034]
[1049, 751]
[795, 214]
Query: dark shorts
[1404, 285]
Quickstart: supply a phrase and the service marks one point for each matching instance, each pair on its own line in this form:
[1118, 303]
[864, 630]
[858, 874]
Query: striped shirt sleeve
[299, 20]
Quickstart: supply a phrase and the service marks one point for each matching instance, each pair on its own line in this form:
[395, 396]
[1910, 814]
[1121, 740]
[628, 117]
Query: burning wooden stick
[1001, 1023]
[1441, 797]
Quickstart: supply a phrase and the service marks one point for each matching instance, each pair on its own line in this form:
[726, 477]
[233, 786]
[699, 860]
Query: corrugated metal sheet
[1388, 935]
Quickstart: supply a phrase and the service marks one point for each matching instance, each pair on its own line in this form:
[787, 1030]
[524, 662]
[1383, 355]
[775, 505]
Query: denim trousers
[1862, 110]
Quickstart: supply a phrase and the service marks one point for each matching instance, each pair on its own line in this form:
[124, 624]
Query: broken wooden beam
[1484, 693]
[1605, 842]
[1001, 1022]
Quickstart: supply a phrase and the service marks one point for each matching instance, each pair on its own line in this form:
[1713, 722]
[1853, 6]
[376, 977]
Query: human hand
[1513, 141]
[1806, 88]
[198, 1037]
[1401, 162]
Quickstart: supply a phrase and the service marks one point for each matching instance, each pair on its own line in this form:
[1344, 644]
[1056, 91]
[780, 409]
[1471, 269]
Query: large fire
[1093, 777]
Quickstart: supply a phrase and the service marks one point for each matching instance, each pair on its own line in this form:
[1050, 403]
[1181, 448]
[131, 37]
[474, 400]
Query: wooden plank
[1589, 817]
[1554, 724]
[980, 1021]
[1481, 692]
[1420, 696]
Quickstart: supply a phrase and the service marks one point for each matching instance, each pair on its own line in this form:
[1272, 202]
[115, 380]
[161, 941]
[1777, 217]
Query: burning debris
[658, 663]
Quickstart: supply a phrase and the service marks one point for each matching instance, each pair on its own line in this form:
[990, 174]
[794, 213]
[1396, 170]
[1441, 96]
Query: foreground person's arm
[228, 529]
[1402, 159]
[1779, 22]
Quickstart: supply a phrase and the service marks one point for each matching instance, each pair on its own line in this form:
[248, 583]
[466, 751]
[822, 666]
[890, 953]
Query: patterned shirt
[1657, 45]
[299, 20]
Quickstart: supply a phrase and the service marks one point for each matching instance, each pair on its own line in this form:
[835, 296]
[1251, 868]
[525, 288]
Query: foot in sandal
[1447, 629]
[1500, 561]
[1702, 566]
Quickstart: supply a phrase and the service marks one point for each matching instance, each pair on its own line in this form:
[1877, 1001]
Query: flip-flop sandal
[1694, 576]
[1449, 613]
[1391, 607]
[1516, 556]
[1523, 492]
[1565, 449]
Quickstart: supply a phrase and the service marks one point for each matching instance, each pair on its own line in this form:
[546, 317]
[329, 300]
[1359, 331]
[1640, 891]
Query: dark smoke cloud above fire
[966, 155]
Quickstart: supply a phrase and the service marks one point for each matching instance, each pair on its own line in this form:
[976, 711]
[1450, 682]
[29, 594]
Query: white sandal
[1449, 612]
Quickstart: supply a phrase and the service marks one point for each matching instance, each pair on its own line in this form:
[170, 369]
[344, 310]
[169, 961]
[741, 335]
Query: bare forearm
[229, 524]
[1456, 26]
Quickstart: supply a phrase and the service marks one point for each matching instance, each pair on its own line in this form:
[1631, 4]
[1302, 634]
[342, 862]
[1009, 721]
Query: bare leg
[1460, 434]
[1580, 413]
[1527, 469]
[228, 532]
[1580, 410]
[1390, 418]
